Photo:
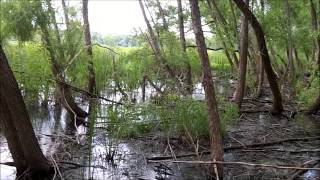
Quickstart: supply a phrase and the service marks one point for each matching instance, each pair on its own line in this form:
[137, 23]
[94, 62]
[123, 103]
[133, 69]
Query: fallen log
[234, 147]
[240, 163]
[77, 89]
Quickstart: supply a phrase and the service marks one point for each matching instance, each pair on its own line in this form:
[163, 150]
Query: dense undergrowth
[171, 114]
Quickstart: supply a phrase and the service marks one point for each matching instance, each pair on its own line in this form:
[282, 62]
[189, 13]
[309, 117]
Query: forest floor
[256, 126]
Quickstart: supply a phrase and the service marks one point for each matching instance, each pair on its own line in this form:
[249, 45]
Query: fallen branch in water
[312, 163]
[272, 143]
[87, 92]
[243, 147]
[77, 165]
[238, 163]
[282, 150]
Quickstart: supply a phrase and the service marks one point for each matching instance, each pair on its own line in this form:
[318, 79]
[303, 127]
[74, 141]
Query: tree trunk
[316, 105]
[88, 46]
[18, 130]
[243, 59]
[161, 13]
[277, 107]
[65, 13]
[260, 76]
[64, 92]
[290, 48]
[157, 51]
[143, 87]
[188, 73]
[315, 29]
[216, 147]
[216, 14]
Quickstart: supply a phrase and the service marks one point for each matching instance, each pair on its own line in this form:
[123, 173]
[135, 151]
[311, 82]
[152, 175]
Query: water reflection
[98, 157]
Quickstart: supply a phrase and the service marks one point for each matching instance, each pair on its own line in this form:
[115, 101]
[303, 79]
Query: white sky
[115, 16]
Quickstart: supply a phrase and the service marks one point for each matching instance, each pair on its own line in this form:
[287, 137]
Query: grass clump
[307, 93]
[170, 114]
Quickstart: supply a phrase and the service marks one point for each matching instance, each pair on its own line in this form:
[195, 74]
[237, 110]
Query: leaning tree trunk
[243, 59]
[277, 107]
[162, 15]
[88, 46]
[316, 105]
[216, 147]
[157, 51]
[22, 142]
[63, 91]
[227, 37]
[188, 73]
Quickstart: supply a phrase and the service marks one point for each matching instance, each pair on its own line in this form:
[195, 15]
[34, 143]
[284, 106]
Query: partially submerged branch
[240, 163]
[77, 89]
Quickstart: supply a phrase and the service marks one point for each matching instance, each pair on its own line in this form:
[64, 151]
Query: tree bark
[316, 105]
[216, 14]
[18, 130]
[157, 51]
[65, 13]
[243, 59]
[260, 76]
[143, 87]
[64, 92]
[88, 46]
[188, 73]
[216, 147]
[259, 61]
[290, 75]
[163, 17]
[315, 29]
[277, 107]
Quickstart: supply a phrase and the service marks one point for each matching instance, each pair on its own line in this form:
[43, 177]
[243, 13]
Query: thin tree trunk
[188, 73]
[162, 15]
[259, 61]
[260, 75]
[316, 105]
[65, 13]
[68, 34]
[315, 27]
[290, 47]
[64, 92]
[88, 46]
[243, 59]
[216, 147]
[277, 107]
[18, 130]
[298, 60]
[157, 51]
[143, 87]
[216, 14]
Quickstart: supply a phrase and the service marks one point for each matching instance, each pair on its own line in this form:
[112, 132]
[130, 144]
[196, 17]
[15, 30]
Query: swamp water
[99, 157]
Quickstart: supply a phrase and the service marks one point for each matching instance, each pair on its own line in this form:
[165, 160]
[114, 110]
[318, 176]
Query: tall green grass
[170, 114]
